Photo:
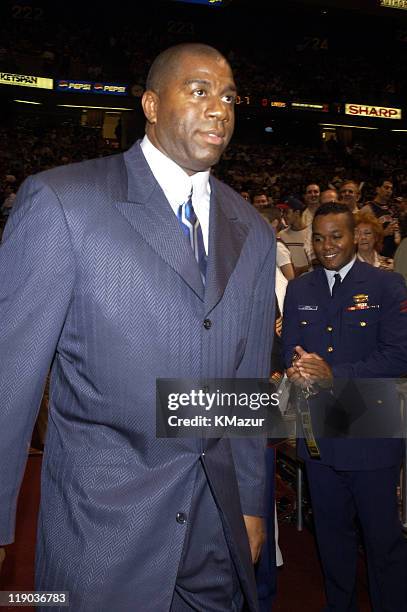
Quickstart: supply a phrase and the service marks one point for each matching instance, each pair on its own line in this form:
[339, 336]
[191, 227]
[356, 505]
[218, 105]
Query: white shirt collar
[177, 185]
[330, 274]
[173, 180]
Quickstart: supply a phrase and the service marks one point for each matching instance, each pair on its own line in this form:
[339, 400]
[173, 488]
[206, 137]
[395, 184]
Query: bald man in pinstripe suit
[98, 278]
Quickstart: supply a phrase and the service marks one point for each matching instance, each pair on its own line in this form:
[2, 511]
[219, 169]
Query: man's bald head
[189, 105]
[165, 64]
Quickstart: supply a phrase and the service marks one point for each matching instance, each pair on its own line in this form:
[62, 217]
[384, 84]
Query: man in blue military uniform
[348, 320]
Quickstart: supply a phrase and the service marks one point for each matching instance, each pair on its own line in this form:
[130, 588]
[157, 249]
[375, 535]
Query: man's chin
[205, 162]
[330, 265]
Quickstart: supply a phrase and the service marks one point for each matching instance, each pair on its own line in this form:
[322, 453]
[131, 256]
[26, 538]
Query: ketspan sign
[381, 112]
[25, 80]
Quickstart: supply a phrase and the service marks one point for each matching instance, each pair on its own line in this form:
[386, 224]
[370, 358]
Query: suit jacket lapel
[149, 213]
[227, 236]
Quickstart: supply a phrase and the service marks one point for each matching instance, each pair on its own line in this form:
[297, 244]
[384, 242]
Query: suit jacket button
[330, 349]
[304, 322]
[207, 324]
[329, 328]
[363, 324]
[181, 518]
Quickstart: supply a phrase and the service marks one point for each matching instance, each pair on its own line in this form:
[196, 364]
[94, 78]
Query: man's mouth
[330, 256]
[214, 137]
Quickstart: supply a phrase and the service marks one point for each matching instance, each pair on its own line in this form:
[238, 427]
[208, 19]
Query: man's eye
[199, 92]
[229, 99]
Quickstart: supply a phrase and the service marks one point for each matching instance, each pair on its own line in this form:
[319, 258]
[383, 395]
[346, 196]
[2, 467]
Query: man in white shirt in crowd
[312, 200]
[297, 236]
[349, 194]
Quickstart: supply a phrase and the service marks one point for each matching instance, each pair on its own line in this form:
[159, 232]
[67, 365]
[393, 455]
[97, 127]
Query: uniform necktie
[192, 229]
[336, 285]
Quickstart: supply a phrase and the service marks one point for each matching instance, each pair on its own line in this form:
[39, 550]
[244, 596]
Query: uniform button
[304, 322]
[330, 349]
[380, 401]
[207, 324]
[363, 324]
[181, 518]
[329, 328]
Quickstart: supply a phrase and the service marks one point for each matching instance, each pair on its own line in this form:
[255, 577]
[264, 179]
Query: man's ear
[150, 102]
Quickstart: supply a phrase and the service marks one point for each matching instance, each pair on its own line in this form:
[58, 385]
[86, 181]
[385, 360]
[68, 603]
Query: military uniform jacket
[362, 334]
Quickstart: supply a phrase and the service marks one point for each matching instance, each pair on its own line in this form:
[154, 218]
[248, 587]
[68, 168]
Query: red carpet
[18, 568]
[300, 587]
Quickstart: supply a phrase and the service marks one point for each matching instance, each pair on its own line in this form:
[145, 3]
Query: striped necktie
[192, 229]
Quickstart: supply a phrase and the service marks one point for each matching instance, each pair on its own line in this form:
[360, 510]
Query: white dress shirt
[330, 274]
[177, 185]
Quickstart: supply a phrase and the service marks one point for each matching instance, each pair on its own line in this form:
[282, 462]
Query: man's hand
[256, 532]
[2, 556]
[295, 377]
[391, 228]
[308, 369]
[313, 368]
[294, 374]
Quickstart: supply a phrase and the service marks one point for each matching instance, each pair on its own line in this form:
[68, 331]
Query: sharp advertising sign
[381, 112]
[91, 87]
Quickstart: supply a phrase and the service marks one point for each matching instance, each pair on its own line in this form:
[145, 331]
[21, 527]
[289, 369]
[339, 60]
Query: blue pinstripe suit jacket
[96, 278]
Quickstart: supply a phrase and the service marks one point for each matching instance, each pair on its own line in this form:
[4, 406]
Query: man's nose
[218, 108]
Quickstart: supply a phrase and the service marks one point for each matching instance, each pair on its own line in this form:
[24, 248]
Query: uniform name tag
[307, 307]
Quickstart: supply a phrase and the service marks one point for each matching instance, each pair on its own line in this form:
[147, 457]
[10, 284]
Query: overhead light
[115, 108]
[26, 102]
[357, 127]
[399, 130]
